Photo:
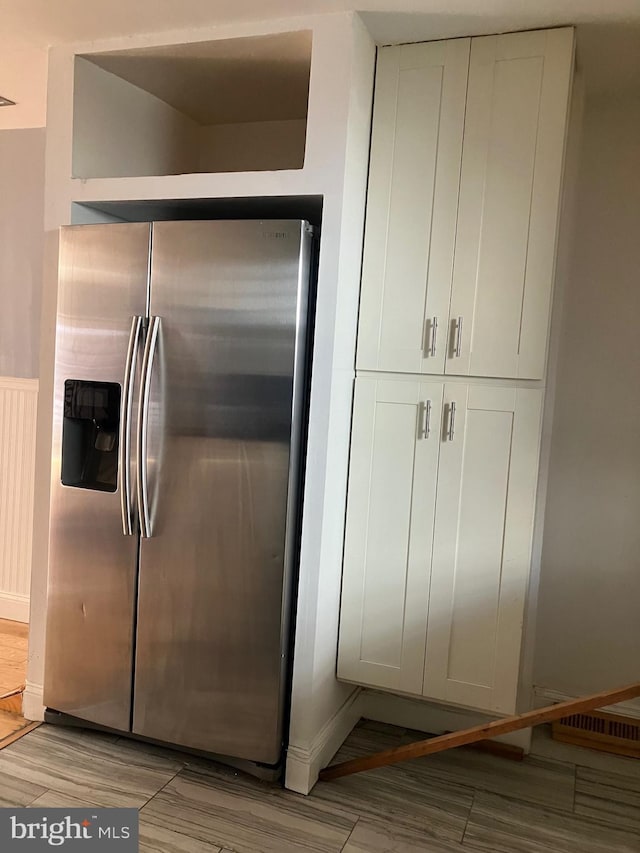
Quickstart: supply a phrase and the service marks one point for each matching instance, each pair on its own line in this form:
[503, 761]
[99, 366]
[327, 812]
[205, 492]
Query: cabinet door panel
[509, 197]
[482, 541]
[411, 206]
[389, 533]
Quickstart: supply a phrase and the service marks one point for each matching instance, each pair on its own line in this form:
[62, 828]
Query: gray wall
[588, 627]
[21, 242]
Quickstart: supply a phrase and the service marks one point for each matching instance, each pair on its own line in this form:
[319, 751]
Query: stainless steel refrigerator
[178, 420]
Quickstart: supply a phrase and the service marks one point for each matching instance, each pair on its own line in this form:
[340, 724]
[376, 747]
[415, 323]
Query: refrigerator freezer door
[92, 574]
[222, 467]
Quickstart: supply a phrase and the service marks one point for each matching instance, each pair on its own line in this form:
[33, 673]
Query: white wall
[21, 243]
[588, 629]
[322, 708]
[23, 79]
[152, 138]
[21, 248]
[252, 146]
[120, 130]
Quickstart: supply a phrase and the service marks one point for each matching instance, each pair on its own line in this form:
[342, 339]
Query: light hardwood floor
[13, 671]
[559, 800]
[13, 655]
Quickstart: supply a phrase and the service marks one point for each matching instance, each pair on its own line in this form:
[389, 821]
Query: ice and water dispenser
[90, 435]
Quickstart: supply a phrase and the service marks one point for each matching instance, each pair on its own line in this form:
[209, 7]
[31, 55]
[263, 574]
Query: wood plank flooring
[13, 655]
[13, 673]
[556, 801]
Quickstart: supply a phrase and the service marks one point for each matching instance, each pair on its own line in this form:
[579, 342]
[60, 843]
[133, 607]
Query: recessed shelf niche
[231, 105]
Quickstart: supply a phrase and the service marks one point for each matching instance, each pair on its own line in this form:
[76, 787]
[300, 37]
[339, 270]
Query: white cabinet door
[482, 543]
[412, 203]
[509, 197]
[390, 509]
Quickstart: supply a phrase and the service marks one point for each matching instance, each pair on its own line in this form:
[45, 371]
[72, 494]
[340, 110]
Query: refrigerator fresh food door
[224, 387]
[102, 300]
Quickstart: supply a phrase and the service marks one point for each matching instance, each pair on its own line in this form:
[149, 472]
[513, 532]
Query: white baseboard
[545, 696]
[32, 702]
[428, 717]
[304, 763]
[14, 606]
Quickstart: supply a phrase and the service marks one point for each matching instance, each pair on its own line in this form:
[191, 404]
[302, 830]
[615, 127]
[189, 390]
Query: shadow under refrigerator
[179, 407]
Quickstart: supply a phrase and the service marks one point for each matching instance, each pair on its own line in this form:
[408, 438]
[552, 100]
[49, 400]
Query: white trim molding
[304, 763]
[14, 606]
[545, 696]
[18, 408]
[33, 702]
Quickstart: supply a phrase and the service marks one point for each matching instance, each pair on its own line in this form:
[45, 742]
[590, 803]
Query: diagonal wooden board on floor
[12, 701]
[13, 726]
[13, 659]
[482, 732]
[26, 727]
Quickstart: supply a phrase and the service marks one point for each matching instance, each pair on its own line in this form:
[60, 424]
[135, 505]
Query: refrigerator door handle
[124, 462]
[150, 348]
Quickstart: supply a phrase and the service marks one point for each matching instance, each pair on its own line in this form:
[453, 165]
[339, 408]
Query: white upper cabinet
[508, 207]
[416, 145]
[462, 208]
[392, 483]
[482, 544]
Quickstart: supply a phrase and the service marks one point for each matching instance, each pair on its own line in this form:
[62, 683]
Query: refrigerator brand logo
[71, 829]
[275, 235]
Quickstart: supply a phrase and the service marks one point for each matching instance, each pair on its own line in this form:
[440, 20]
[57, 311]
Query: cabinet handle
[452, 422]
[456, 337]
[434, 333]
[429, 338]
[424, 419]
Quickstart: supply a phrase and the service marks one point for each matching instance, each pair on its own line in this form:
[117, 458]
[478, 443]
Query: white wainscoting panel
[18, 404]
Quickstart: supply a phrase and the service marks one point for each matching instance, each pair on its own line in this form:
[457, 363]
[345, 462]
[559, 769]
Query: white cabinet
[414, 173]
[459, 253]
[509, 199]
[482, 544]
[392, 483]
[463, 204]
[438, 539]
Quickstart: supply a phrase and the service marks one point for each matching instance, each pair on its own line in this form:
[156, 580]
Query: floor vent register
[599, 730]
